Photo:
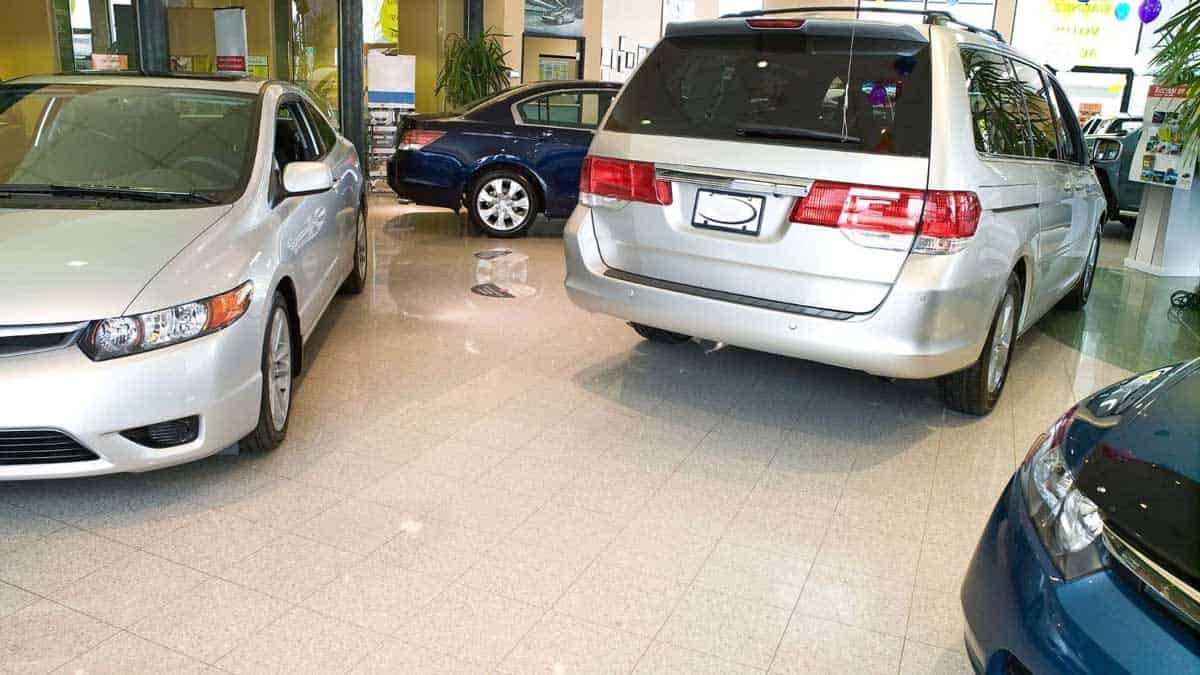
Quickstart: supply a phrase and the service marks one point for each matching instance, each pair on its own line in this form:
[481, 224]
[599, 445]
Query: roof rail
[932, 16]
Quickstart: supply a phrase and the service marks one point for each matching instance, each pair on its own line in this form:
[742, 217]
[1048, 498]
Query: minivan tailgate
[810, 265]
[841, 102]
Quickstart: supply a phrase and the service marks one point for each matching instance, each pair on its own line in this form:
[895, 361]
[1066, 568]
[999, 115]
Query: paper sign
[257, 66]
[1161, 158]
[230, 25]
[110, 62]
[391, 80]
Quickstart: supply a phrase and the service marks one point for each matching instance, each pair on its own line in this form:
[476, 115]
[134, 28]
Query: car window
[1128, 126]
[146, 138]
[1070, 139]
[997, 104]
[293, 142]
[325, 132]
[1037, 107]
[569, 109]
[784, 88]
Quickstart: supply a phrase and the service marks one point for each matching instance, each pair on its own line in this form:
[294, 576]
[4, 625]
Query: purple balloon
[1149, 10]
[879, 95]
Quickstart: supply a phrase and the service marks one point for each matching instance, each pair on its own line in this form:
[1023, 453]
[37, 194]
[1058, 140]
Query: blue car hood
[1135, 451]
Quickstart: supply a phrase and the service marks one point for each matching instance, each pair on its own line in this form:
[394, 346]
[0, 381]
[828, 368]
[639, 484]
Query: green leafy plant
[1178, 63]
[473, 68]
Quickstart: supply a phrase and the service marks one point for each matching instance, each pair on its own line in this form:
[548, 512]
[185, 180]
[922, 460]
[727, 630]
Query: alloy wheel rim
[360, 248]
[279, 371]
[1002, 344]
[503, 204]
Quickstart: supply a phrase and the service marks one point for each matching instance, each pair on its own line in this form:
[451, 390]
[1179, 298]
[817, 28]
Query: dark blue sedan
[1090, 562]
[507, 158]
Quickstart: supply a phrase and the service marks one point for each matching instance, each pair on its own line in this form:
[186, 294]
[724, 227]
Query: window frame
[520, 121]
[315, 121]
[306, 128]
[1008, 61]
[1012, 60]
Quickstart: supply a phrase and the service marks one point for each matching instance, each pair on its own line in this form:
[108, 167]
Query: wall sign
[1161, 158]
[230, 25]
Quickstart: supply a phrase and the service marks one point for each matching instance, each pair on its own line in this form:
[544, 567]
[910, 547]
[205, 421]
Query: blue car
[1090, 562]
[506, 158]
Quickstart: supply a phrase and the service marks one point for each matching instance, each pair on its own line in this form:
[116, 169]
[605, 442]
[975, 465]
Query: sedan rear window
[785, 88]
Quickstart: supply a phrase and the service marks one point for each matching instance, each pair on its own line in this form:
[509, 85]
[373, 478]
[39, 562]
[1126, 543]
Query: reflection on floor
[474, 484]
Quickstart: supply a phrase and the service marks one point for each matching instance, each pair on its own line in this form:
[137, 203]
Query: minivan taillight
[887, 217]
[415, 139]
[604, 180]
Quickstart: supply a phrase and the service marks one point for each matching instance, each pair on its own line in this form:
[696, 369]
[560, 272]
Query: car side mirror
[306, 178]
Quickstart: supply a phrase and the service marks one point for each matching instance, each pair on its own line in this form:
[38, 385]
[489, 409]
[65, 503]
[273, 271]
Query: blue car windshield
[137, 138]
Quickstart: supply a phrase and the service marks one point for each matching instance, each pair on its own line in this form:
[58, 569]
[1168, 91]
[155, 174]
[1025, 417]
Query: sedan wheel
[503, 204]
[280, 369]
[275, 407]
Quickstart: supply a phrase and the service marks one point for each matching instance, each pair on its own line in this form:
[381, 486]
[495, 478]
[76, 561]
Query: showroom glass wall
[315, 43]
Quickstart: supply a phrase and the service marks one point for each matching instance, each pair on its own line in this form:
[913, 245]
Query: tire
[499, 218]
[269, 432]
[1077, 298]
[665, 337]
[976, 390]
[357, 281]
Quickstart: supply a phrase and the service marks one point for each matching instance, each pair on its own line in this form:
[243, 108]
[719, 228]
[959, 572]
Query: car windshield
[195, 144]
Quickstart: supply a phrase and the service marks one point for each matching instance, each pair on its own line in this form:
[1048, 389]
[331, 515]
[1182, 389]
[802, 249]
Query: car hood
[1143, 466]
[59, 266]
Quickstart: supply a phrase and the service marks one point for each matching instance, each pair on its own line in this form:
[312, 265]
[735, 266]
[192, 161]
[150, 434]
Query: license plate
[728, 211]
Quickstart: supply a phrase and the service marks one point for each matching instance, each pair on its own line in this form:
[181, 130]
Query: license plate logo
[728, 211]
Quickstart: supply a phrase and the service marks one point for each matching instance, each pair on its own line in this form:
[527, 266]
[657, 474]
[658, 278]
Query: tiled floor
[475, 484]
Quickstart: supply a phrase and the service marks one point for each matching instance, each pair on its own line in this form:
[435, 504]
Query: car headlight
[125, 335]
[1067, 522]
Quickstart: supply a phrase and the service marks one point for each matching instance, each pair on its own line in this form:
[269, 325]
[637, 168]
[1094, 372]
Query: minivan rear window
[784, 88]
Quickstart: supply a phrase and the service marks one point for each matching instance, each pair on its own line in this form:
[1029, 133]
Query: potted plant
[1178, 63]
[474, 68]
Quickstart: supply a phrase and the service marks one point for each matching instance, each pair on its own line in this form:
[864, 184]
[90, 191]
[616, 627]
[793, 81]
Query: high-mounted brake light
[604, 180]
[769, 24]
[415, 139]
[887, 217]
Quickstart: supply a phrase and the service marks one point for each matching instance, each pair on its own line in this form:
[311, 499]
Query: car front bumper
[923, 329]
[1019, 610]
[217, 377]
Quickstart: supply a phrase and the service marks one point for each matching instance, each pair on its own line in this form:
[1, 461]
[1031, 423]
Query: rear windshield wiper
[104, 191]
[780, 131]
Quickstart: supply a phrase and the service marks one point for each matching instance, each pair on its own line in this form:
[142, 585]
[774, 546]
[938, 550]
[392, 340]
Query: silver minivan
[899, 199]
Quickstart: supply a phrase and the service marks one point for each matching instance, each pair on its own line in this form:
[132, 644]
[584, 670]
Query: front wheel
[503, 203]
[275, 407]
[357, 281]
[976, 390]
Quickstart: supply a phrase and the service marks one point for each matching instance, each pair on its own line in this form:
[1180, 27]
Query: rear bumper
[925, 328]
[427, 178]
[1019, 611]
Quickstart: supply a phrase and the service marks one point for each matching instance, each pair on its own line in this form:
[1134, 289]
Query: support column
[351, 70]
[153, 51]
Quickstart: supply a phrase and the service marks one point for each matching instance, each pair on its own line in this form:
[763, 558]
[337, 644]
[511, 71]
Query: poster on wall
[230, 29]
[1161, 158]
[559, 18]
[1068, 33]
[677, 10]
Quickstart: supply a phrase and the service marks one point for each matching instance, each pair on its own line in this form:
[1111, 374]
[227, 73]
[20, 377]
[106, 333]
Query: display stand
[1166, 241]
[391, 95]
